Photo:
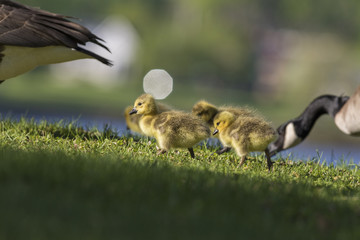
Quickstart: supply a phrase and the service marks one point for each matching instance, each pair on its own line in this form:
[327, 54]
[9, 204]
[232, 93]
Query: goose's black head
[296, 130]
[278, 144]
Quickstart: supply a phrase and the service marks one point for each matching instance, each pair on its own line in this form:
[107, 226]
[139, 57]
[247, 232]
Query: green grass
[59, 181]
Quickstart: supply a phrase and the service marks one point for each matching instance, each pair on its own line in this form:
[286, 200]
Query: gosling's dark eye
[218, 123]
[139, 104]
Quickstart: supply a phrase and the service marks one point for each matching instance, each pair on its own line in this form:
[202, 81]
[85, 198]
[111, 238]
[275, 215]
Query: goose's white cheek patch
[290, 138]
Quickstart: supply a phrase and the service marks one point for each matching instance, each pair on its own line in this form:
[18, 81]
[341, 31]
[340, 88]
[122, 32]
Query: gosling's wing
[25, 26]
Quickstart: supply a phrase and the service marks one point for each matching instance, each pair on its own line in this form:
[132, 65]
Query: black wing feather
[25, 26]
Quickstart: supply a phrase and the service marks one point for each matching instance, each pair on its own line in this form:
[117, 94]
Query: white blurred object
[158, 83]
[122, 40]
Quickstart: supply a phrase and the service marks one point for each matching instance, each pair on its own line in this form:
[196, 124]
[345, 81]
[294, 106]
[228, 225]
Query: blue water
[329, 153]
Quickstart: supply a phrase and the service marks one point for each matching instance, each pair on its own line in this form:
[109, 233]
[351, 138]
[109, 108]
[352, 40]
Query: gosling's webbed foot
[223, 150]
[161, 151]
[270, 165]
[268, 159]
[243, 158]
[191, 150]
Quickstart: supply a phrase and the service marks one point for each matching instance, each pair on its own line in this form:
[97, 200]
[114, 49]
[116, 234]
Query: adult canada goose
[132, 120]
[244, 134]
[344, 110]
[172, 129]
[207, 112]
[30, 37]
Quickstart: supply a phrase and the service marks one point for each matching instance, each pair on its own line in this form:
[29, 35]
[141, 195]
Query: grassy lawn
[58, 181]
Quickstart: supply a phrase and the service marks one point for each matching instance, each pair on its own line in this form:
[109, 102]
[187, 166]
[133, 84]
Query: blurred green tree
[213, 41]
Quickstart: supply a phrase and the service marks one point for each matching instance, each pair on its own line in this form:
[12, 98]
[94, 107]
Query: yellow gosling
[172, 129]
[244, 134]
[207, 112]
[132, 121]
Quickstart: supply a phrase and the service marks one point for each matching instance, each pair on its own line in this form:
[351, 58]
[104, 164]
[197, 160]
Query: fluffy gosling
[172, 129]
[132, 121]
[207, 112]
[244, 134]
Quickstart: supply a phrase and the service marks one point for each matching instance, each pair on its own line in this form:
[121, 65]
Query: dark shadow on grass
[54, 195]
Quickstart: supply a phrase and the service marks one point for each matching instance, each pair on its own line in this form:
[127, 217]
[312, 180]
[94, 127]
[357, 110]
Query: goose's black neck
[325, 104]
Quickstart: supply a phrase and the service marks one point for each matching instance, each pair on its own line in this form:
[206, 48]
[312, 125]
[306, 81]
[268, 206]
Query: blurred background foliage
[276, 55]
[223, 42]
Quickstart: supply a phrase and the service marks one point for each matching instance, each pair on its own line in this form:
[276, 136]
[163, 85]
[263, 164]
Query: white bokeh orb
[158, 83]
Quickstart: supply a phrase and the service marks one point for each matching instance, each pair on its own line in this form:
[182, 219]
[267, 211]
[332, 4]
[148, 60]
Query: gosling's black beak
[215, 131]
[133, 111]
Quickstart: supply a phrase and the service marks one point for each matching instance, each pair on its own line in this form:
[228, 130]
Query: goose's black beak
[133, 111]
[215, 131]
